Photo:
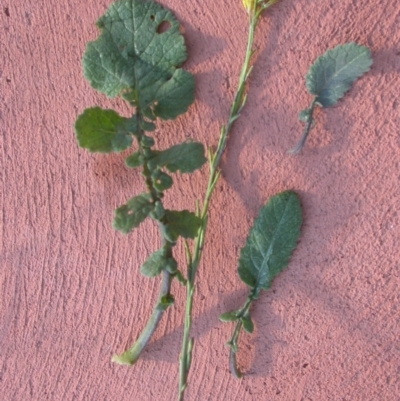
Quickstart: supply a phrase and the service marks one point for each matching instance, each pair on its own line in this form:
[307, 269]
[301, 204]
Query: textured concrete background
[70, 290]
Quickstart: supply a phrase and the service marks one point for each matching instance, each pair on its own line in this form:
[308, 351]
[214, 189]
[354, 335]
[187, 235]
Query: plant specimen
[135, 59]
[138, 57]
[330, 77]
[266, 253]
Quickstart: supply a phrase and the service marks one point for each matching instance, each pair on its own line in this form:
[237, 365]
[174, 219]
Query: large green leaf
[271, 240]
[138, 55]
[130, 215]
[186, 157]
[183, 223]
[333, 73]
[104, 131]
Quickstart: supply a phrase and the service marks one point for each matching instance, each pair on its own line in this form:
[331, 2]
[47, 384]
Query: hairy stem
[214, 174]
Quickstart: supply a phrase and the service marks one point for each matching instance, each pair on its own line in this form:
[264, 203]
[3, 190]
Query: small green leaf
[130, 215]
[183, 223]
[271, 240]
[162, 181]
[134, 59]
[248, 324]
[171, 265]
[147, 141]
[134, 160]
[154, 264]
[147, 126]
[165, 302]
[104, 131]
[158, 212]
[185, 157]
[305, 115]
[228, 317]
[333, 73]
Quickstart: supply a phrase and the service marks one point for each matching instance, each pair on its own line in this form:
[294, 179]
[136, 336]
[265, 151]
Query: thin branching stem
[214, 174]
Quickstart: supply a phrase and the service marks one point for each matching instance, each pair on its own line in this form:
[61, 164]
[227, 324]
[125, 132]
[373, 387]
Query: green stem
[130, 356]
[214, 174]
[235, 335]
[306, 130]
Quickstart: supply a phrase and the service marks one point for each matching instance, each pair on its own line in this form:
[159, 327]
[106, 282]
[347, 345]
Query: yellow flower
[248, 5]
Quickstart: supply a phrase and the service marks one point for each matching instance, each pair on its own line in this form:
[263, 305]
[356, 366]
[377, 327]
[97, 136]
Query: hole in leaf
[152, 17]
[163, 27]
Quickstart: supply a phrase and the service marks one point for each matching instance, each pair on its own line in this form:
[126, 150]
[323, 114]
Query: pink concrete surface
[70, 290]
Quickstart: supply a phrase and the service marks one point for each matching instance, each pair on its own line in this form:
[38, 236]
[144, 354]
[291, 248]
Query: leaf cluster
[135, 58]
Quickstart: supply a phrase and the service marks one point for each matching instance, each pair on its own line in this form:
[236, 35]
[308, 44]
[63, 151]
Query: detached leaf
[136, 58]
[104, 131]
[183, 223]
[186, 157]
[129, 216]
[271, 241]
[333, 73]
[329, 78]
[154, 264]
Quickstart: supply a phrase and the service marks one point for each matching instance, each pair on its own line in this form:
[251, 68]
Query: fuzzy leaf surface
[183, 223]
[104, 131]
[332, 74]
[154, 264]
[137, 59]
[271, 240]
[185, 157]
[130, 215]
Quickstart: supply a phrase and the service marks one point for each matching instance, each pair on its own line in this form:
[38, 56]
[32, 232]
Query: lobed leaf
[271, 241]
[183, 223]
[136, 58]
[104, 131]
[130, 215]
[332, 74]
[186, 157]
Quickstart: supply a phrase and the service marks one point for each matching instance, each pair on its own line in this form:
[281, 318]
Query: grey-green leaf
[185, 157]
[183, 223]
[154, 264]
[332, 74]
[136, 58]
[130, 215]
[271, 240]
[104, 131]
